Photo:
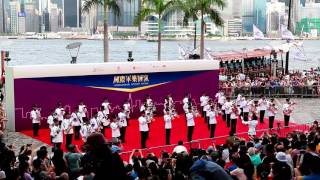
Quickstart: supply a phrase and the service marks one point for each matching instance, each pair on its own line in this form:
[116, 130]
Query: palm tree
[107, 5]
[155, 7]
[188, 7]
[206, 8]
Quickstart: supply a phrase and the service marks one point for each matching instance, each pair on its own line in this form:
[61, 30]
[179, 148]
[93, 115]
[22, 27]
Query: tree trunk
[105, 34]
[159, 38]
[202, 38]
[195, 36]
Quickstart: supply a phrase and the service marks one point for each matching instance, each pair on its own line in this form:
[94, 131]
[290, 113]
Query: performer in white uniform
[67, 129]
[106, 105]
[235, 112]
[86, 129]
[203, 102]
[103, 119]
[115, 130]
[56, 134]
[60, 112]
[288, 108]
[122, 117]
[271, 111]
[262, 108]
[82, 109]
[35, 117]
[95, 124]
[168, 125]
[228, 109]
[211, 113]
[144, 129]
[190, 123]
[76, 122]
[246, 108]
[127, 110]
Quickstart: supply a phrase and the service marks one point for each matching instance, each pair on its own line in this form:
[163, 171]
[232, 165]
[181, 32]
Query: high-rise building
[247, 16]
[21, 22]
[275, 17]
[54, 18]
[128, 11]
[260, 14]
[14, 7]
[32, 17]
[234, 27]
[2, 17]
[310, 10]
[72, 13]
[90, 20]
[46, 20]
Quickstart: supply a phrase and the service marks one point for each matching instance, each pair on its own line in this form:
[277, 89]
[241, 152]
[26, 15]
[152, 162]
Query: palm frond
[142, 15]
[113, 5]
[89, 4]
[215, 17]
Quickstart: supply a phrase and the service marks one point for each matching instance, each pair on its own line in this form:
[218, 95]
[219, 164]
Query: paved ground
[307, 110]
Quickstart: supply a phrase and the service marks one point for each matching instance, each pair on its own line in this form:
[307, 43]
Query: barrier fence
[219, 140]
[273, 91]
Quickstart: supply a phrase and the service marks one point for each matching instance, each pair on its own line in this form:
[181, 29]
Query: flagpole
[289, 28]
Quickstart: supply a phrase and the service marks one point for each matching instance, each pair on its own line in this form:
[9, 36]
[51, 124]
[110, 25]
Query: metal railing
[218, 140]
[273, 91]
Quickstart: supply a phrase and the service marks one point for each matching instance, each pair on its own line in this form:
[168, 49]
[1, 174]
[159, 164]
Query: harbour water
[32, 52]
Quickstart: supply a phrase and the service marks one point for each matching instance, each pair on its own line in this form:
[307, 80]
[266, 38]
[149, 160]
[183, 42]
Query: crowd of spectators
[269, 156]
[295, 83]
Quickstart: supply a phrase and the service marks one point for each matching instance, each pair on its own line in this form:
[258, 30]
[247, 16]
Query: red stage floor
[157, 132]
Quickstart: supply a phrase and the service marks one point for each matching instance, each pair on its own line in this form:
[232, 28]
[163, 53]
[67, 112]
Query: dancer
[288, 108]
[86, 129]
[262, 107]
[95, 124]
[252, 123]
[115, 129]
[122, 117]
[211, 113]
[167, 125]
[67, 129]
[144, 129]
[186, 98]
[272, 110]
[36, 119]
[190, 123]
[50, 120]
[56, 134]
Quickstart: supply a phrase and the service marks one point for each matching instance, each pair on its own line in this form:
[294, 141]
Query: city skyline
[39, 16]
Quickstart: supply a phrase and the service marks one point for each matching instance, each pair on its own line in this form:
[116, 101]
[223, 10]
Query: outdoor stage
[178, 132]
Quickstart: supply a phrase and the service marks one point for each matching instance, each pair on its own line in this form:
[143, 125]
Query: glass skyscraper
[72, 13]
[260, 11]
[247, 16]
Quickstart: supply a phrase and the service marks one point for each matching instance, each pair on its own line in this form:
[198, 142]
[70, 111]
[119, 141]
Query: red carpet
[178, 132]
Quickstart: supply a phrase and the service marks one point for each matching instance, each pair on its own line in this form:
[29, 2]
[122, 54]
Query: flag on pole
[257, 34]
[286, 34]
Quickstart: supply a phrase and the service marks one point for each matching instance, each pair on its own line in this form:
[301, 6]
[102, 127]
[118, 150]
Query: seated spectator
[180, 148]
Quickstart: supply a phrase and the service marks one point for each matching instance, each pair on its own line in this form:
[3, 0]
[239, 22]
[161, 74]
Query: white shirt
[50, 121]
[206, 108]
[221, 98]
[244, 104]
[85, 131]
[262, 105]
[106, 106]
[186, 108]
[185, 100]
[142, 108]
[67, 126]
[143, 124]
[122, 119]
[56, 134]
[228, 107]
[82, 110]
[179, 149]
[94, 123]
[270, 113]
[76, 119]
[126, 107]
[212, 117]
[252, 126]
[35, 116]
[204, 100]
[190, 119]
[286, 108]
[115, 131]
[60, 113]
[103, 118]
[167, 121]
